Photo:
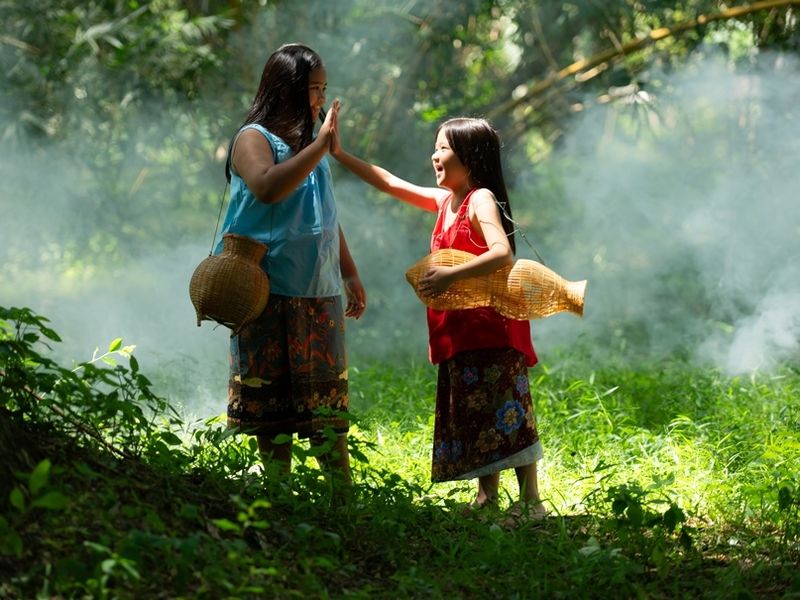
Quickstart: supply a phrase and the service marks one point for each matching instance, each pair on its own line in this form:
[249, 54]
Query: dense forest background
[649, 147]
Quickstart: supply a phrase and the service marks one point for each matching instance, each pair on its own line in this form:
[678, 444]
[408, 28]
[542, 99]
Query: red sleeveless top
[452, 331]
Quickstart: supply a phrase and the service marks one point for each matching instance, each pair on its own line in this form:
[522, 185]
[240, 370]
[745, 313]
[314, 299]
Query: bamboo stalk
[654, 36]
[12, 41]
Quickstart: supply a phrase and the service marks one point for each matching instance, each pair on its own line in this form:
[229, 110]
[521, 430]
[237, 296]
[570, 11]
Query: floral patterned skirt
[484, 415]
[289, 369]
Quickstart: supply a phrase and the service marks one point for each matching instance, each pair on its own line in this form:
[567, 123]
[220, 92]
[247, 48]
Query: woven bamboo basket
[231, 288]
[525, 290]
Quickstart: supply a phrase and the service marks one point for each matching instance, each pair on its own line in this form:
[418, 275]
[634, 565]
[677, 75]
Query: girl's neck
[461, 192]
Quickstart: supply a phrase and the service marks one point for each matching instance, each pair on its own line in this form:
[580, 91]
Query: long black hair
[281, 103]
[477, 145]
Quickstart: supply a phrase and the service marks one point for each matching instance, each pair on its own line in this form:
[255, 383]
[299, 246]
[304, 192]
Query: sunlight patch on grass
[692, 437]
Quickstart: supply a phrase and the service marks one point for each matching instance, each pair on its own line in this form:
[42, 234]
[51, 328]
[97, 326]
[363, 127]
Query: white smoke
[690, 216]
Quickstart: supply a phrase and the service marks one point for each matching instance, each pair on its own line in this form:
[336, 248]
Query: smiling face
[450, 172]
[317, 87]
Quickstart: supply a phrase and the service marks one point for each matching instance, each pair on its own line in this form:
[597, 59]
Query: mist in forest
[687, 198]
[680, 209]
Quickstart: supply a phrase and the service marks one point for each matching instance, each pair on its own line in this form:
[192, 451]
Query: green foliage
[649, 474]
[113, 404]
[26, 500]
[93, 86]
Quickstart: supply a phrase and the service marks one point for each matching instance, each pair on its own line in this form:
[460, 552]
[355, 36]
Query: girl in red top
[484, 415]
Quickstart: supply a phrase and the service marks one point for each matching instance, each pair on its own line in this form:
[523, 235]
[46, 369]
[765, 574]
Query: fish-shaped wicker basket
[525, 290]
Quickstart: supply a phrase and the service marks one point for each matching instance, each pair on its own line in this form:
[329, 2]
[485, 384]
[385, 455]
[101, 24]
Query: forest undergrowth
[662, 481]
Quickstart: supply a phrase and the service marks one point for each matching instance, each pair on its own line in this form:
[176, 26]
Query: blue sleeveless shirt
[301, 231]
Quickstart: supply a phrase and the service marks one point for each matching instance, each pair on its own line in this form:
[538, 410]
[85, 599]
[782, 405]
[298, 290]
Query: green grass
[707, 440]
[663, 481]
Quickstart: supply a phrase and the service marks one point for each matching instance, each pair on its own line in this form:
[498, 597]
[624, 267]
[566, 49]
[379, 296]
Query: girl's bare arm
[354, 289]
[252, 160]
[425, 198]
[485, 216]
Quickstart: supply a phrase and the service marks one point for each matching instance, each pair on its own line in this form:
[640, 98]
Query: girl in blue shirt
[288, 368]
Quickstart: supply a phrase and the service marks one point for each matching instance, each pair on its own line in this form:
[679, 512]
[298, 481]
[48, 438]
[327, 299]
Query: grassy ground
[711, 442]
[718, 456]
[662, 482]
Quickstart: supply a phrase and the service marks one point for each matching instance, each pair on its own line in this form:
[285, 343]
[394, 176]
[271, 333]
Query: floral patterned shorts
[484, 415]
[289, 369]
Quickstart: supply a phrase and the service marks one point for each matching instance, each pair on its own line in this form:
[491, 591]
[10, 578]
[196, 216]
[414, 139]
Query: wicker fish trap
[231, 288]
[525, 290]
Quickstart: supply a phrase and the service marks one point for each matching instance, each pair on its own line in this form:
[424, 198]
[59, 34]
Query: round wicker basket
[525, 290]
[231, 288]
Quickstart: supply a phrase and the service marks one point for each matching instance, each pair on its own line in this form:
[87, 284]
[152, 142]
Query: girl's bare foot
[471, 509]
[522, 512]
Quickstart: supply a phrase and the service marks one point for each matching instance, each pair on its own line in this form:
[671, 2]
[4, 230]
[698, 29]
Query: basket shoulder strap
[219, 216]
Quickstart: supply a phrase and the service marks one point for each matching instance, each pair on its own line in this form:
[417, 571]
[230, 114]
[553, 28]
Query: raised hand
[328, 129]
[335, 140]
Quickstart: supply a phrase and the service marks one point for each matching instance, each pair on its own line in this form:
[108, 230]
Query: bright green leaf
[51, 501]
[39, 477]
[108, 565]
[17, 499]
[226, 525]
